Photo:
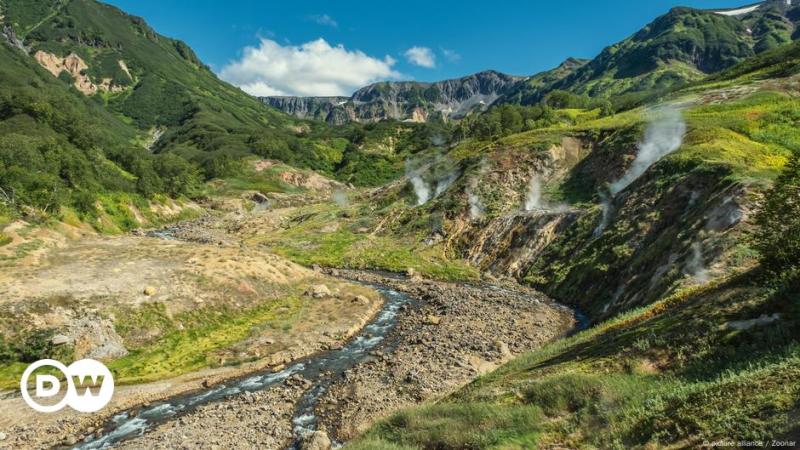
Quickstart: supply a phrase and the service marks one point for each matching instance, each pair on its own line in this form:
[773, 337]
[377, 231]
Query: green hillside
[683, 46]
[126, 94]
[58, 148]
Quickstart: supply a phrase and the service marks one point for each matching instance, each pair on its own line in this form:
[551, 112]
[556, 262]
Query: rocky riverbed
[449, 335]
[455, 333]
[251, 420]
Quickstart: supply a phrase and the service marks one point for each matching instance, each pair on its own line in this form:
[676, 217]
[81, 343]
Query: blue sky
[326, 48]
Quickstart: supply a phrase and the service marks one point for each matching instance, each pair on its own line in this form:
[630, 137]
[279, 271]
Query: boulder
[149, 291]
[59, 339]
[318, 440]
[318, 291]
[433, 320]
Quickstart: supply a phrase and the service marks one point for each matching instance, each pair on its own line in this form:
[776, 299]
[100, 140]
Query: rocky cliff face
[408, 100]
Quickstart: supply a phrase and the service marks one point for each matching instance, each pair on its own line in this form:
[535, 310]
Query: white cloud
[312, 69]
[421, 56]
[324, 19]
[451, 55]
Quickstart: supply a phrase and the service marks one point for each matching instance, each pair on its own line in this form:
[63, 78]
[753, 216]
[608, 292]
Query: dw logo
[90, 386]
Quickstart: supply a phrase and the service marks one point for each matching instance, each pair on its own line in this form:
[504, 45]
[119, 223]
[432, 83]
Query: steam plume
[340, 198]
[421, 188]
[534, 198]
[476, 207]
[608, 210]
[444, 183]
[696, 267]
[664, 135]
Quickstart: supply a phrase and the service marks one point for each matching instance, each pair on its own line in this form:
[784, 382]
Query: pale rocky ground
[456, 333]
[78, 282]
[453, 333]
[260, 420]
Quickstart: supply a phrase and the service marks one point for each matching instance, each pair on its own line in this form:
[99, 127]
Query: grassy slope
[676, 49]
[307, 240]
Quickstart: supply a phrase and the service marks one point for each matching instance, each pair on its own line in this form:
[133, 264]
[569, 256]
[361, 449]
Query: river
[321, 369]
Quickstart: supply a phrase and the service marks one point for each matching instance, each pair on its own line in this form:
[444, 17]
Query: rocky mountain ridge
[404, 100]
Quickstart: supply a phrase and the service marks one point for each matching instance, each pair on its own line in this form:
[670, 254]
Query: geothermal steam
[535, 201]
[608, 209]
[425, 191]
[340, 198]
[695, 266]
[421, 188]
[664, 135]
[444, 183]
[534, 198]
[476, 208]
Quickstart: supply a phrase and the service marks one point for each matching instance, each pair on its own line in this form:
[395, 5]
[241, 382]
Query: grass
[453, 427]
[349, 247]
[194, 345]
[248, 179]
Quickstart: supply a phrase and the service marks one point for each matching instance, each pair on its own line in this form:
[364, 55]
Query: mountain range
[677, 48]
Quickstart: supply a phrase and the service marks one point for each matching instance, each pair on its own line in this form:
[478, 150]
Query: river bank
[444, 337]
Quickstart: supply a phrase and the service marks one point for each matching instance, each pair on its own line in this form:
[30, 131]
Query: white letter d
[51, 390]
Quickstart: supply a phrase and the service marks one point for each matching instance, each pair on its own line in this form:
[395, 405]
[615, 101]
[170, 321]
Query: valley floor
[198, 304]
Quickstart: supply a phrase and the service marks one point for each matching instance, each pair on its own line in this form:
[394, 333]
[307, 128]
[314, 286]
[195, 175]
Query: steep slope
[60, 149]
[151, 96]
[683, 46]
[409, 101]
[680, 47]
[534, 88]
[154, 82]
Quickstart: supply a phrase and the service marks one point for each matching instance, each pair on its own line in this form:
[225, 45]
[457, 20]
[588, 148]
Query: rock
[95, 337]
[59, 339]
[433, 320]
[3, 436]
[502, 347]
[318, 291]
[411, 272]
[360, 299]
[258, 197]
[317, 440]
[149, 291]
